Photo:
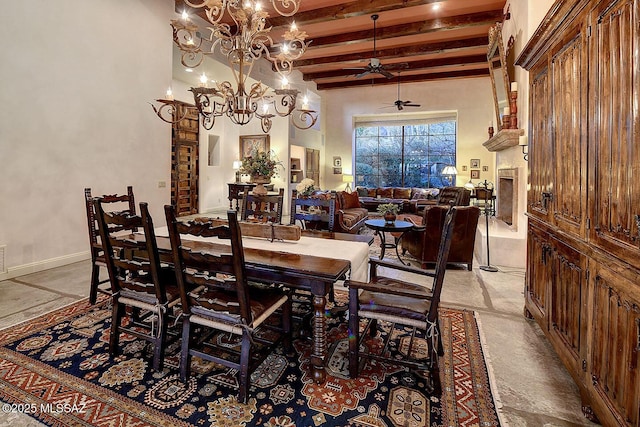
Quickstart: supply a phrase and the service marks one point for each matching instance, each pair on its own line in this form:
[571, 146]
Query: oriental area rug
[56, 368]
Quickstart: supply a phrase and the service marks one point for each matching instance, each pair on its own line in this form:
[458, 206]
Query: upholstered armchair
[423, 241]
[460, 196]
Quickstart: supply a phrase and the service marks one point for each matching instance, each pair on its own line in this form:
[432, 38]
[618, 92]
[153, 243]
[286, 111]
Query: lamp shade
[469, 185]
[237, 164]
[347, 178]
[449, 170]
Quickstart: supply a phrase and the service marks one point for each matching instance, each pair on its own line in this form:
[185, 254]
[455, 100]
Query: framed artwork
[249, 142]
[475, 173]
[337, 171]
[475, 163]
[337, 162]
[464, 168]
[485, 169]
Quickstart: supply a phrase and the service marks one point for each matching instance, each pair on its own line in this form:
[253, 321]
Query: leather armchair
[424, 240]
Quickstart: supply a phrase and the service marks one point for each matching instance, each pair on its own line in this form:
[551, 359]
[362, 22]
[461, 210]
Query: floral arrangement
[260, 163]
[388, 207]
[306, 187]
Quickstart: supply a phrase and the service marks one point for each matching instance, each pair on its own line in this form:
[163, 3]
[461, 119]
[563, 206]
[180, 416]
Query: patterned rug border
[135, 413]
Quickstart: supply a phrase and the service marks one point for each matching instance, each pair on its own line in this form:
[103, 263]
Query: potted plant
[261, 166]
[388, 211]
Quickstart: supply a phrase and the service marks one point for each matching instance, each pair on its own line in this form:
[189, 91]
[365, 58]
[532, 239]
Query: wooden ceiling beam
[405, 79]
[342, 11]
[405, 51]
[411, 65]
[409, 29]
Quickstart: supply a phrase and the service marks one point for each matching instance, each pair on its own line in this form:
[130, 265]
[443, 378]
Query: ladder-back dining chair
[97, 254]
[266, 208]
[138, 280]
[224, 301]
[316, 213]
[404, 303]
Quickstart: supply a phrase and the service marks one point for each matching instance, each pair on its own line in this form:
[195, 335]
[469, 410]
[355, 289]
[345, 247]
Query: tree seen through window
[404, 155]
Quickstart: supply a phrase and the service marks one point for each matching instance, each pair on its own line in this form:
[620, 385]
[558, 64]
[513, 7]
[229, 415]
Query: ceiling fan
[374, 66]
[399, 104]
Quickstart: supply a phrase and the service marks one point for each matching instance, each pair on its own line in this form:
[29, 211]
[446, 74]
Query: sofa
[423, 241]
[411, 199]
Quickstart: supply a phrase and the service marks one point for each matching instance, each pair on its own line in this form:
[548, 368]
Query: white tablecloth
[357, 253]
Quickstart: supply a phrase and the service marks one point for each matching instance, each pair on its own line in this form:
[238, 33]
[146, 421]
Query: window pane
[410, 156]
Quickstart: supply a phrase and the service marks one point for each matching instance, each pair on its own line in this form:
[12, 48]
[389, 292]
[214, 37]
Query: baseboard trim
[35, 267]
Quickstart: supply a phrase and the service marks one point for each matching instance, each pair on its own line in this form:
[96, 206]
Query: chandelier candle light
[243, 43]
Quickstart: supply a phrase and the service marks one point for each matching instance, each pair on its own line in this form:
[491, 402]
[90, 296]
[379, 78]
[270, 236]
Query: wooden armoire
[583, 204]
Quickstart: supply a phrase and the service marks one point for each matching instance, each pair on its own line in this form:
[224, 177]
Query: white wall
[76, 81]
[471, 98]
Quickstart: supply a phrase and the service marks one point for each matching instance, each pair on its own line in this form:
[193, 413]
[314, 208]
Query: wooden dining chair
[224, 301]
[404, 303]
[262, 208]
[313, 213]
[137, 280]
[97, 254]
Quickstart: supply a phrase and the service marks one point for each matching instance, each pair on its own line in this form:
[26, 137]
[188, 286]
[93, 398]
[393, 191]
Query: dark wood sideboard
[583, 204]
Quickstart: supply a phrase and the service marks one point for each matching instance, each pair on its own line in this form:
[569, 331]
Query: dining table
[311, 264]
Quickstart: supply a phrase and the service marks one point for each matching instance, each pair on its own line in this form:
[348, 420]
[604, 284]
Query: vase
[389, 217]
[260, 180]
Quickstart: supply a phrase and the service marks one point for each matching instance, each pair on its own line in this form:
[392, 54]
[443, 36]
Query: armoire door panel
[538, 274]
[566, 312]
[540, 147]
[569, 136]
[615, 103]
[614, 366]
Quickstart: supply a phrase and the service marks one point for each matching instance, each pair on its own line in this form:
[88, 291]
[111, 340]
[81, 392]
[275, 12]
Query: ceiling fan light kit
[374, 66]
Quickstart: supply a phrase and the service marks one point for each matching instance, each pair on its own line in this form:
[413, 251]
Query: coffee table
[380, 226]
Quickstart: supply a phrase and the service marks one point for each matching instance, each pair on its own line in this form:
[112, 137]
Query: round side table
[380, 226]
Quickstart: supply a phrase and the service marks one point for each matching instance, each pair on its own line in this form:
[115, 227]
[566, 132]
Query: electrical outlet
[162, 184]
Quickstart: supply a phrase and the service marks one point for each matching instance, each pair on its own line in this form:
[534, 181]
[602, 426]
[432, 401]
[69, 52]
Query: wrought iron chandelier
[243, 42]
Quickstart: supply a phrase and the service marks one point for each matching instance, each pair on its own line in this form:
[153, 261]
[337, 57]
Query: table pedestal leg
[319, 339]
[383, 242]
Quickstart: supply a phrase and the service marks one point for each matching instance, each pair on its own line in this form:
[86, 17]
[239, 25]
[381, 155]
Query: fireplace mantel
[504, 139]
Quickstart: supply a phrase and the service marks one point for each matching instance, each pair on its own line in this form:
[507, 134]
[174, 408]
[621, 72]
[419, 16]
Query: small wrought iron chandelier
[243, 43]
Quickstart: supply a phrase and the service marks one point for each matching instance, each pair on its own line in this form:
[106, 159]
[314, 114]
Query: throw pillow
[362, 192]
[371, 192]
[387, 193]
[350, 200]
[401, 193]
[419, 194]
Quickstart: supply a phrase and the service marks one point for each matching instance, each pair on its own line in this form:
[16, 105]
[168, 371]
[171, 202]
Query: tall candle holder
[513, 107]
[506, 121]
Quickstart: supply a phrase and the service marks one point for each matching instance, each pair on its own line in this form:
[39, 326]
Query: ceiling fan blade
[364, 73]
[385, 73]
[400, 107]
[412, 105]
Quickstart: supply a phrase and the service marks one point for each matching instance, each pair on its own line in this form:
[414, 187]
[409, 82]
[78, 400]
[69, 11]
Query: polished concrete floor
[531, 385]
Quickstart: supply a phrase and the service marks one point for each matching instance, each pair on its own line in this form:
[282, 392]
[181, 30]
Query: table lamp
[348, 179]
[450, 170]
[237, 164]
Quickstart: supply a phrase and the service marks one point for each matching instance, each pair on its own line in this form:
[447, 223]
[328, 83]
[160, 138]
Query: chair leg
[354, 334]
[95, 281]
[440, 346]
[158, 345]
[116, 319]
[185, 357]
[287, 321]
[245, 353]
